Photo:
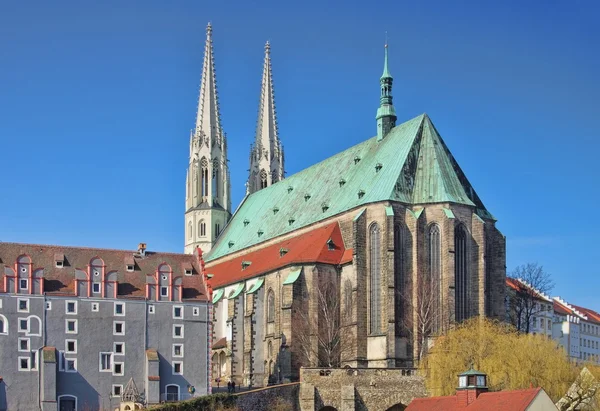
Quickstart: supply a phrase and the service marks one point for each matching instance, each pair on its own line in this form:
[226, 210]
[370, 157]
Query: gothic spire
[208, 119]
[266, 156]
[386, 114]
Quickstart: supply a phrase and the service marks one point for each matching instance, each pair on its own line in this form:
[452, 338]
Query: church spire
[207, 199]
[208, 118]
[266, 154]
[386, 114]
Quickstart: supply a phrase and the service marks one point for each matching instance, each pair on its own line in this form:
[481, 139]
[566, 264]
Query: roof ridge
[90, 248]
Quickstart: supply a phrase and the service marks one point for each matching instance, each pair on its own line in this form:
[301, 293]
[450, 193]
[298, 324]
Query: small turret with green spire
[386, 114]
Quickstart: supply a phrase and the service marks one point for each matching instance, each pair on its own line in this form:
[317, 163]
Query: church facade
[358, 260]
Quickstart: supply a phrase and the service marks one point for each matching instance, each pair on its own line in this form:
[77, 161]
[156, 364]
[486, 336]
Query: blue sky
[97, 100]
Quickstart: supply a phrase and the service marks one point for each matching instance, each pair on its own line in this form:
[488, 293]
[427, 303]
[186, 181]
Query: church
[359, 260]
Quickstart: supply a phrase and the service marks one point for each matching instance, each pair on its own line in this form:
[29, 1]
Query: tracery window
[375, 276]
[461, 273]
[202, 228]
[215, 174]
[348, 301]
[263, 179]
[204, 176]
[400, 245]
[435, 276]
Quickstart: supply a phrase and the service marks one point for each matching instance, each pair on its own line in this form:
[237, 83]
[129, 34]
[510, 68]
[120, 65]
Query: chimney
[470, 385]
[142, 249]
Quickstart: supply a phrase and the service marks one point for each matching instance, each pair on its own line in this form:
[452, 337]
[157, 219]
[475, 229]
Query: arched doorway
[172, 392]
[67, 403]
[397, 407]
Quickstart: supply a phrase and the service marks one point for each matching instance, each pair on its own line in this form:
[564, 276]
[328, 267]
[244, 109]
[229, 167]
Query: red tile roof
[310, 247]
[516, 400]
[561, 309]
[519, 286]
[592, 315]
[60, 281]
[222, 343]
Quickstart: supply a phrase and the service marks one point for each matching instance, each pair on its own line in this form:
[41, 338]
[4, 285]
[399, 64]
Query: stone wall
[372, 389]
[265, 399]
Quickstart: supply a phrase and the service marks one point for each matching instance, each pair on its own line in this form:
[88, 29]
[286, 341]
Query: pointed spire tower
[266, 154]
[386, 114]
[207, 197]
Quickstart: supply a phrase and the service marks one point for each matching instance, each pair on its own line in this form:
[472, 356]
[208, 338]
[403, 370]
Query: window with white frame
[23, 305]
[71, 307]
[129, 267]
[23, 325]
[151, 309]
[119, 348]
[71, 326]
[117, 390]
[23, 284]
[177, 311]
[196, 311]
[164, 291]
[29, 362]
[96, 288]
[48, 305]
[24, 344]
[70, 346]
[118, 328]
[70, 364]
[177, 367]
[119, 368]
[177, 350]
[177, 331]
[95, 307]
[106, 361]
[3, 325]
[120, 309]
[24, 363]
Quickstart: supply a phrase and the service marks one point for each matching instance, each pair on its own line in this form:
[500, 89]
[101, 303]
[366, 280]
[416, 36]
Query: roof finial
[208, 29]
[385, 40]
[268, 47]
[386, 72]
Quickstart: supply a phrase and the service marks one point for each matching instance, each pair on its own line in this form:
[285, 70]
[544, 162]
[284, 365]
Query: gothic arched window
[348, 300]
[375, 274]
[270, 306]
[190, 230]
[461, 273]
[215, 175]
[400, 245]
[434, 281]
[202, 228]
[204, 176]
[274, 177]
[263, 179]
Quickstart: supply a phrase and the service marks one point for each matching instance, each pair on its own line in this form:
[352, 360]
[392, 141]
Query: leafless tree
[584, 394]
[427, 311]
[320, 336]
[532, 282]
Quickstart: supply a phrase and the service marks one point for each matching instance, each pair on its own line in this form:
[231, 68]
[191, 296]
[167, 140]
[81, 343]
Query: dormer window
[290, 189]
[230, 244]
[246, 222]
[245, 264]
[59, 260]
[356, 160]
[129, 267]
[306, 197]
[187, 268]
[342, 182]
[291, 221]
[275, 210]
[283, 251]
[361, 193]
[378, 167]
[324, 207]
[330, 245]
[260, 233]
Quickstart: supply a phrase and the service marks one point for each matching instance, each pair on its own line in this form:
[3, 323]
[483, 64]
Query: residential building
[381, 225]
[566, 328]
[585, 335]
[77, 324]
[472, 395]
[525, 304]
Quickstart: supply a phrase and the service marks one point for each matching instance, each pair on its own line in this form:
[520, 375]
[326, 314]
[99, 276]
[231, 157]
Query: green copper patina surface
[411, 165]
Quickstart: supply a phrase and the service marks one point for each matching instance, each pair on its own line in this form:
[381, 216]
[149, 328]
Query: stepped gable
[310, 247]
[411, 165]
[592, 315]
[60, 281]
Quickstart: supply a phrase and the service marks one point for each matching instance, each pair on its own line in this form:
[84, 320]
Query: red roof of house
[515, 400]
[309, 247]
[561, 309]
[131, 284]
[519, 286]
[591, 314]
[222, 343]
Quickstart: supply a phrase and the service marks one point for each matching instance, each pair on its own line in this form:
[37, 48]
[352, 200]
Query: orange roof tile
[222, 343]
[519, 286]
[591, 314]
[516, 400]
[310, 247]
[561, 309]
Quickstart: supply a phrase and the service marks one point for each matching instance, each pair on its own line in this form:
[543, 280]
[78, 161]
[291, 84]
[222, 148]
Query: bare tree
[320, 336]
[584, 394]
[532, 284]
[427, 312]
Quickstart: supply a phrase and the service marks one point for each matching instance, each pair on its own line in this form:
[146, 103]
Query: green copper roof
[386, 71]
[471, 372]
[448, 213]
[389, 211]
[218, 295]
[293, 276]
[237, 291]
[411, 165]
[256, 286]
